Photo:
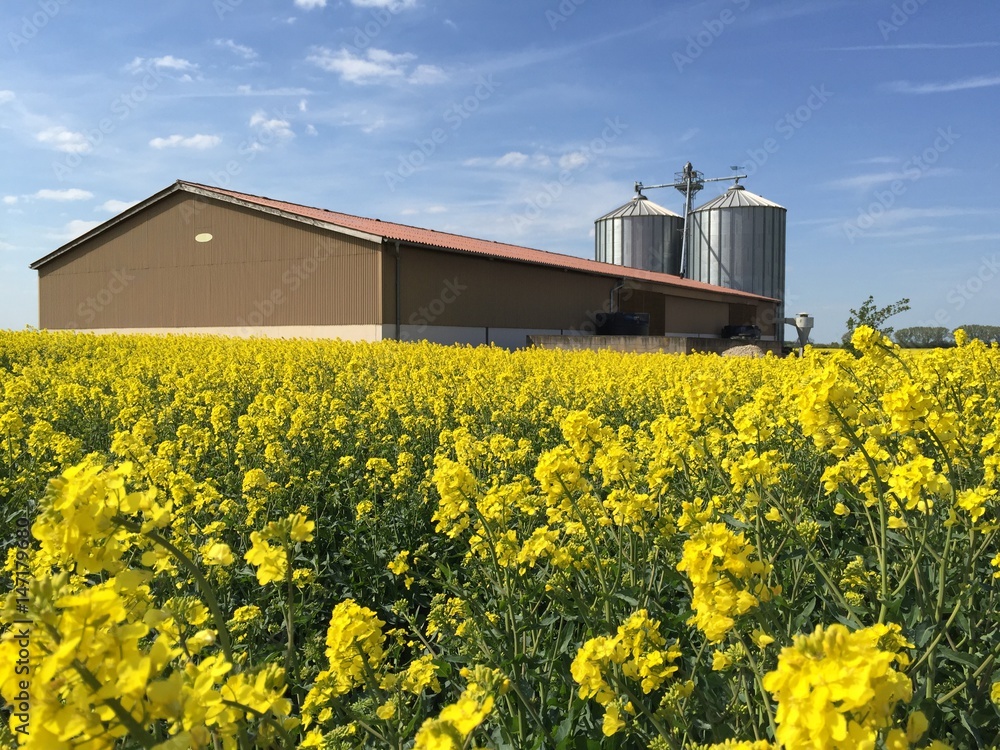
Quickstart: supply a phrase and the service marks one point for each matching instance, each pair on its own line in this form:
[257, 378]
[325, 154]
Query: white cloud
[917, 46]
[303, 105]
[574, 160]
[6, 96]
[115, 207]
[374, 66]
[9, 200]
[390, 4]
[167, 62]
[70, 194]
[877, 160]
[873, 179]
[248, 90]
[199, 142]
[275, 126]
[978, 82]
[512, 159]
[427, 74]
[5, 245]
[311, 130]
[79, 226]
[310, 4]
[63, 139]
[896, 216]
[247, 53]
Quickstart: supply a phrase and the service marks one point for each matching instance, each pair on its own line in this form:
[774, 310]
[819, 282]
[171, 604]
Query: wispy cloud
[241, 50]
[778, 12]
[310, 4]
[877, 160]
[910, 47]
[390, 4]
[512, 159]
[6, 96]
[76, 228]
[908, 215]
[248, 90]
[167, 62]
[874, 179]
[276, 126]
[115, 206]
[70, 194]
[976, 238]
[199, 142]
[427, 74]
[574, 159]
[977, 82]
[65, 140]
[374, 66]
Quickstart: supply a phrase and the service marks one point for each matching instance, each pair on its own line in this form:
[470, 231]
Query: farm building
[199, 259]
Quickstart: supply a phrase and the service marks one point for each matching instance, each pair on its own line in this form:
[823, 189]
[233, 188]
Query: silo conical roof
[640, 205]
[738, 197]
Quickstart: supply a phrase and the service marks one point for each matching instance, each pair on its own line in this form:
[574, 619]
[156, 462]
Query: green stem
[203, 585]
[135, 730]
[759, 679]
[289, 624]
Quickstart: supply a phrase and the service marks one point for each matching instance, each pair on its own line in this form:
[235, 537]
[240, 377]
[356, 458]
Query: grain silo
[738, 241]
[640, 234]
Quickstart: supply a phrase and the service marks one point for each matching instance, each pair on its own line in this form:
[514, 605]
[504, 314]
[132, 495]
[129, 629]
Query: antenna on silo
[689, 181]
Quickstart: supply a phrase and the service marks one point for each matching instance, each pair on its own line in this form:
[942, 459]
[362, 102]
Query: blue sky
[875, 123]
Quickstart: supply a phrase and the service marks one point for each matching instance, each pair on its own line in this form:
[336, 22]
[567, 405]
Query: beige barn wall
[452, 289]
[344, 333]
[258, 270]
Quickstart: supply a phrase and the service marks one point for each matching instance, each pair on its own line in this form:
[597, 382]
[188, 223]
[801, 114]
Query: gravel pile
[748, 350]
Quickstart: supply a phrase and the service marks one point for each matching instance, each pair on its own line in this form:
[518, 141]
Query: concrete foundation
[644, 344]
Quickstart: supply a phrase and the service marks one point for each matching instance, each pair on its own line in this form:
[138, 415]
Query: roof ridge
[368, 218]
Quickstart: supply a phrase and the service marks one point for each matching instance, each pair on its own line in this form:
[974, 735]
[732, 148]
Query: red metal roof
[411, 235]
[460, 243]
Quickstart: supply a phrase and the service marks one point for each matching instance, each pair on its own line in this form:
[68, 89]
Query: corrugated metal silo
[640, 234]
[738, 241]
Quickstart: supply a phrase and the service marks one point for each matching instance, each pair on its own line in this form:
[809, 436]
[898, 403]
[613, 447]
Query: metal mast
[688, 181]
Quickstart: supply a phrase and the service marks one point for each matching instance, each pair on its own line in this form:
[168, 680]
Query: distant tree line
[928, 337]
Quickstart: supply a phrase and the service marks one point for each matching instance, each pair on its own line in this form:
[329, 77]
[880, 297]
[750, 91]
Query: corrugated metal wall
[257, 270]
[452, 289]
